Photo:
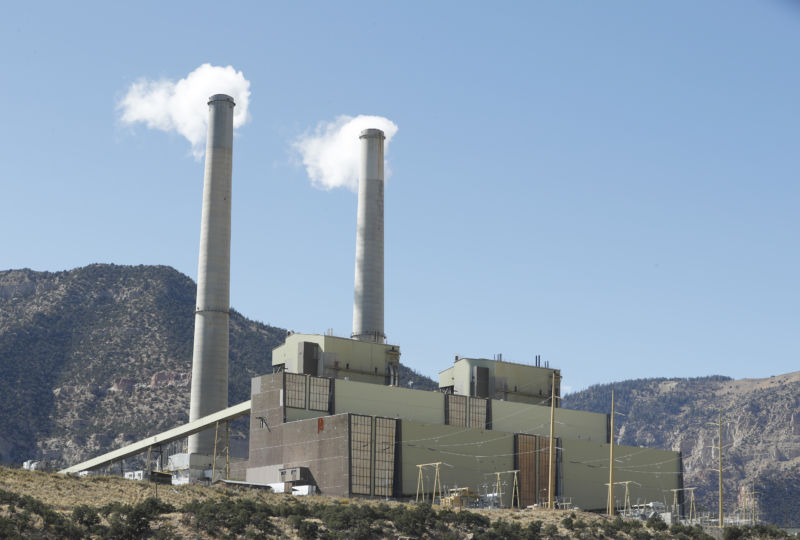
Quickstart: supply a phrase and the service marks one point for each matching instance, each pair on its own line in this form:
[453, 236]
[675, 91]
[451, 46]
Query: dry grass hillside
[65, 493]
[42, 505]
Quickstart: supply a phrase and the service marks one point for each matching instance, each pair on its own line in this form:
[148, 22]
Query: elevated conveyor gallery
[181, 432]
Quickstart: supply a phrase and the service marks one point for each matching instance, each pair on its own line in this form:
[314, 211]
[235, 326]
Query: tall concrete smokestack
[210, 357]
[368, 296]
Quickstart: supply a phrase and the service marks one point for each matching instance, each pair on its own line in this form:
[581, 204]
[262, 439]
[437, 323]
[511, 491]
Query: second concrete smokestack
[368, 295]
[212, 313]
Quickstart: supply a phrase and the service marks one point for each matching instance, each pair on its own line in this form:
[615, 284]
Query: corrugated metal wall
[532, 460]
[385, 435]
[478, 408]
[372, 455]
[319, 394]
[455, 410]
[295, 390]
[360, 454]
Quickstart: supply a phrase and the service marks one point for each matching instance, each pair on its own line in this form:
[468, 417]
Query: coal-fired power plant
[368, 294]
[332, 418]
[212, 312]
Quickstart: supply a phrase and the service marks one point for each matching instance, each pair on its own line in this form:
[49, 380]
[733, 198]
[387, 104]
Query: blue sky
[611, 185]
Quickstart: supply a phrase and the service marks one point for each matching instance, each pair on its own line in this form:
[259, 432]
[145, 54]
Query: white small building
[135, 475]
[190, 468]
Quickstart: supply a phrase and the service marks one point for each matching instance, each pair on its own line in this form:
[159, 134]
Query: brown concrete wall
[322, 448]
[238, 469]
[266, 402]
[292, 414]
[265, 395]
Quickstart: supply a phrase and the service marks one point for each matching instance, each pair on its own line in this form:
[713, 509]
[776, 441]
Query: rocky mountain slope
[761, 434]
[98, 356]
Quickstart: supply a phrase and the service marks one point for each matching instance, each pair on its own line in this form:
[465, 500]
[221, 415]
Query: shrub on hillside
[235, 516]
[656, 523]
[550, 531]
[54, 522]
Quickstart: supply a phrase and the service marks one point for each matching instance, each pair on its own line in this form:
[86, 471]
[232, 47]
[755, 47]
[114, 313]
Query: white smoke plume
[182, 106]
[331, 153]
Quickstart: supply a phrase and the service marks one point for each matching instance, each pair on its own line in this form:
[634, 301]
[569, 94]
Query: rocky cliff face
[760, 436]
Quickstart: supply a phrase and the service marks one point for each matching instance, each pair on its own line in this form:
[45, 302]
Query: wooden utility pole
[721, 513]
[753, 502]
[610, 510]
[692, 507]
[720, 447]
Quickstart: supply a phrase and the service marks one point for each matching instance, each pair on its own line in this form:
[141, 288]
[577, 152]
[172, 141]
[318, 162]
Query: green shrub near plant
[550, 531]
[656, 523]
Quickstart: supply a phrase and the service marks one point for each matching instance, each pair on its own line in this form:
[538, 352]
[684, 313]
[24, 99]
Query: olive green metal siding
[389, 401]
[524, 418]
[470, 455]
[585, 473]
[305, 397]
[340, 357]
[507, 380]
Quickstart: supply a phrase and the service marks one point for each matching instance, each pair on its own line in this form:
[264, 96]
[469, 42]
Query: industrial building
[333, 416]
[364, 438]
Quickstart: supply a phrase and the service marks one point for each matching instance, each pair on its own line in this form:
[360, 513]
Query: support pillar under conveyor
[157, 450]
[157, 475]
[222, 449]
